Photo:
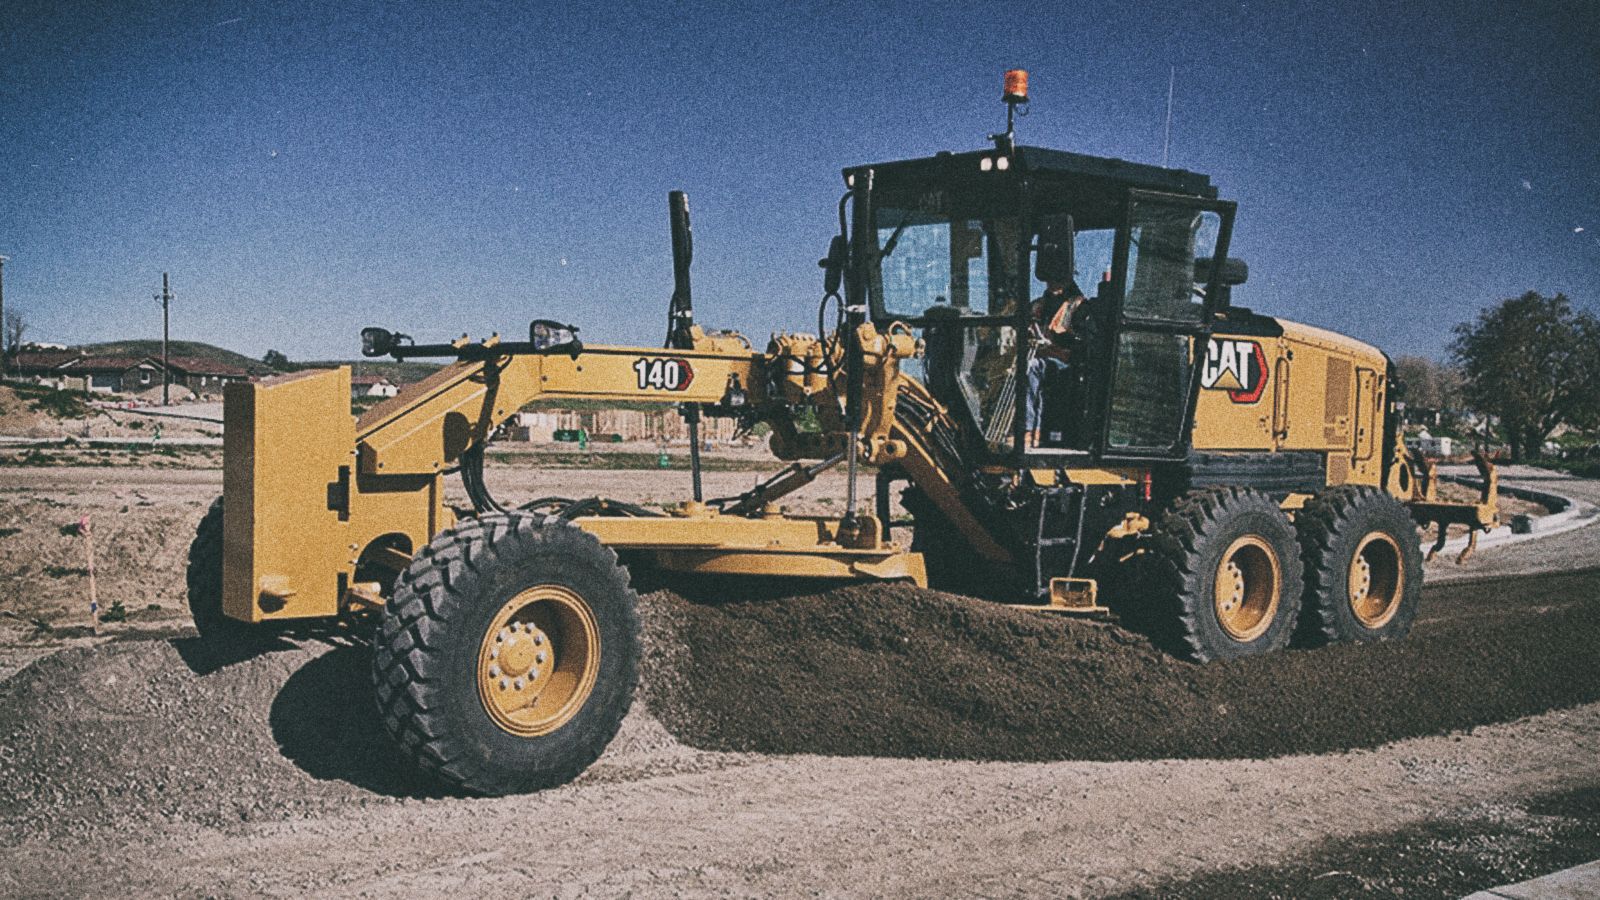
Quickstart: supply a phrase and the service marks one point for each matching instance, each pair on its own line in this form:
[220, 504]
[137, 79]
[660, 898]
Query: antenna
[1166, 142]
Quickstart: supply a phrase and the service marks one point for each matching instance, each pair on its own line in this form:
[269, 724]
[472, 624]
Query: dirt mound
[18, 418]
[128, 731]
[150, 731]
[888, 670]
[141, 546]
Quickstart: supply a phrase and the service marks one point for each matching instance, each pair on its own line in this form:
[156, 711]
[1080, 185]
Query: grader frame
[1247, 470]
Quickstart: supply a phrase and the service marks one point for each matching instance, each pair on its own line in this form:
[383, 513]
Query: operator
[1051, 337]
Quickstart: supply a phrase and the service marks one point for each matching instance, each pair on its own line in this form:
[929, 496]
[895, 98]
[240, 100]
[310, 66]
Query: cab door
[1167, 263]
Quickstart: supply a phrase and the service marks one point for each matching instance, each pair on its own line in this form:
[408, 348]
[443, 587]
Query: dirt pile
[887, 670]
[141, 542]
[18, 418]
[129, 732]
[163, 730]
[154, 731]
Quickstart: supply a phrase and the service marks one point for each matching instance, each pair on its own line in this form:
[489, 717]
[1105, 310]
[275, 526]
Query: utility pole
[166, 371]
[5, 360]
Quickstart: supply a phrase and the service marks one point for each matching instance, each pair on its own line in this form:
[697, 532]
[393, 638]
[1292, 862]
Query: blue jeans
[1038, 367]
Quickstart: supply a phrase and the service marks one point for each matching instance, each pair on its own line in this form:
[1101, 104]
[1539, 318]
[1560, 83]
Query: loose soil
[151, 730]
[18, 418]
[1487, 844]
[887, 670]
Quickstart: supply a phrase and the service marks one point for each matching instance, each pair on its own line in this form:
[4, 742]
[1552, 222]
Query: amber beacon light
[1016, 90]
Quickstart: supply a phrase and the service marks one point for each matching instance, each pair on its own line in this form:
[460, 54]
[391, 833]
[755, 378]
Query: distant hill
[397, 372]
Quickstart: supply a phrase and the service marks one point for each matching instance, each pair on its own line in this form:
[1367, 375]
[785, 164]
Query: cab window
[1164, 242]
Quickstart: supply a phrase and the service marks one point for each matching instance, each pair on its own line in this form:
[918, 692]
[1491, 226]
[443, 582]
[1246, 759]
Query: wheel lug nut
[503, 684]
[494, 653]
[517, 684]
[538, 658]
[538, 639]
[494, 671]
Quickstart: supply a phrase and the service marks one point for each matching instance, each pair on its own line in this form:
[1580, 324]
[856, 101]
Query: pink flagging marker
[94, 599]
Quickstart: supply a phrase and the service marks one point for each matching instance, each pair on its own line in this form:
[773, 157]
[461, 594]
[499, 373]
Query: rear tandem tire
[508, 655]
[1363, 563]
[1227, 559]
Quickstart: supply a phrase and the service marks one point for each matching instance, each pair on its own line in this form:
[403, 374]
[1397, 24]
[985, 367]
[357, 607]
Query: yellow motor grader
[1228, 473]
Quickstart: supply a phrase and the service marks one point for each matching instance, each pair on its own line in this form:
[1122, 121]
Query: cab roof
[1104, 171]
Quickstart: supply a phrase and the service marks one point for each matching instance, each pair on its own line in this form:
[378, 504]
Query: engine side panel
[1304, 390]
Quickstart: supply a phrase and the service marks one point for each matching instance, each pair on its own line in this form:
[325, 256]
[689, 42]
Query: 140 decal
[663, 374]
[1238, 367]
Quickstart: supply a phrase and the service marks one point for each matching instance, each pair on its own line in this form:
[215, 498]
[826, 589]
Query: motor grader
[1224, 473]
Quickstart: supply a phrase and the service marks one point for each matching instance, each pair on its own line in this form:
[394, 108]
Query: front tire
[508, 655]
[1227, 561]
[1363, 564]
[204, 582]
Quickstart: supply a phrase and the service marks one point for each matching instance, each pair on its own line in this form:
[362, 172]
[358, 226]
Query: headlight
[376, 341]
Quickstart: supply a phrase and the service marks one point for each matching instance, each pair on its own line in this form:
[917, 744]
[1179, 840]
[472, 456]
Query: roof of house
[44, 360]
[194, 365]
[108, 363]
[40, 361]
[367, 380]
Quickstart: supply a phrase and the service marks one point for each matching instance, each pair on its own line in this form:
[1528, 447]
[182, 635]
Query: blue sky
[303, 169]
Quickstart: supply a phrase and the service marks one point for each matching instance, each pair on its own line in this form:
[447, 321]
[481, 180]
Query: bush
[58, 403]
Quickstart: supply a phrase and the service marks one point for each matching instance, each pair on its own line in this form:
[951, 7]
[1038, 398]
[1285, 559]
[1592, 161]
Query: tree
[1534, 363]
[11, 337]
[1428, 385]
[277, 361]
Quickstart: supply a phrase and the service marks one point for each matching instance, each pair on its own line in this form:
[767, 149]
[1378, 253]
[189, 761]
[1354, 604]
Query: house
[109, 374]
[73, 370]
[41, 365]
[203, 376]
[371, 386]
[1428, 445]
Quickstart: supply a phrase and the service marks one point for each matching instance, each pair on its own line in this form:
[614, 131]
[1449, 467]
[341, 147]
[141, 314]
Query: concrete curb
[1577, 883]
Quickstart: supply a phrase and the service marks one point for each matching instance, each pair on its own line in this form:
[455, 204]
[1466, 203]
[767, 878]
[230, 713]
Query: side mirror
[833, 264]
[1053, 263]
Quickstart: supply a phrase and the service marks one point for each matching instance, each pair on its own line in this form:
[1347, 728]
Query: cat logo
[1238, 367]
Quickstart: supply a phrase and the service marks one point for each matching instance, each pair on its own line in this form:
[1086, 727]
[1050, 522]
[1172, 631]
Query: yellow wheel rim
[1246, 588]
[1376, 580]
[538, 661]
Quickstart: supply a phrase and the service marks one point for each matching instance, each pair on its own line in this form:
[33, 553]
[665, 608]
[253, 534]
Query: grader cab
[1227, 473]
